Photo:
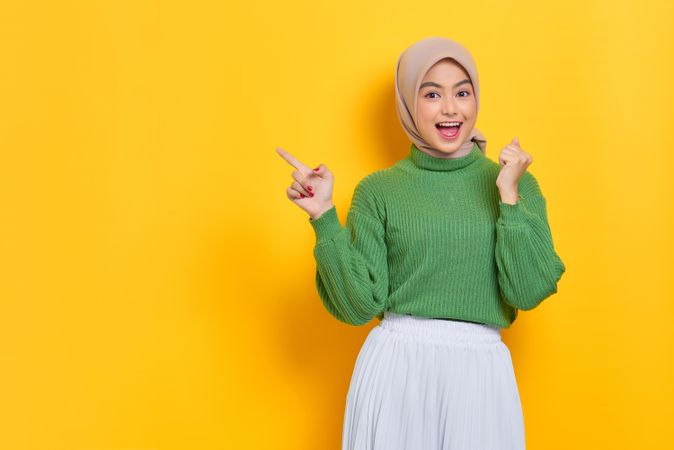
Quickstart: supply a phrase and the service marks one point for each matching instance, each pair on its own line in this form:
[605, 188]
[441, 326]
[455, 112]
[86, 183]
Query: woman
[445, 246]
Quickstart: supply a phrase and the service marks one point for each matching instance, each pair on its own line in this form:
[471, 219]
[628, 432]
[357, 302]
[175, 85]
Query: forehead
[445, 69]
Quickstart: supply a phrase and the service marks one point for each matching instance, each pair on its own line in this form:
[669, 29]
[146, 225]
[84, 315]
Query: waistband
[440, 330]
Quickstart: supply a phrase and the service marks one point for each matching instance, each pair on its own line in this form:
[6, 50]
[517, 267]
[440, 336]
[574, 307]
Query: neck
[425, 161]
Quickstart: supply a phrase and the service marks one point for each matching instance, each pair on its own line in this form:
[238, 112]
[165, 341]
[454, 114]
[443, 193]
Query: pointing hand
[311, 189]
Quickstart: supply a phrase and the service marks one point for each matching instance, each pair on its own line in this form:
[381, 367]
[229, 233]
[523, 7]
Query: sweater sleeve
[351, 264]
[528, 266]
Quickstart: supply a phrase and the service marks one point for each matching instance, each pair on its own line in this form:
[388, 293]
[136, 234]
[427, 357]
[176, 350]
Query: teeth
[450, 124]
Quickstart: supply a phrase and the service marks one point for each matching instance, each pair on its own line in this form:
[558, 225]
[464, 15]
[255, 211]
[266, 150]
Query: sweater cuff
[511, 214]
[327, 225]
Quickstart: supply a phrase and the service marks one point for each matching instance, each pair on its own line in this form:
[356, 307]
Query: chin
[442, 145]
[448, 147]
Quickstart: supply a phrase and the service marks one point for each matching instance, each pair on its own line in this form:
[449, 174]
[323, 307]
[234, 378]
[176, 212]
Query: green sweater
[430, 237]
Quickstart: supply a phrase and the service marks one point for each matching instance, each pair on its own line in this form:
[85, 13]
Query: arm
[528, 266]
[351, 265]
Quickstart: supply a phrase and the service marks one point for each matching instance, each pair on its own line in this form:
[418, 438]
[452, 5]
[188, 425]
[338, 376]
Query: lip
[442, 136]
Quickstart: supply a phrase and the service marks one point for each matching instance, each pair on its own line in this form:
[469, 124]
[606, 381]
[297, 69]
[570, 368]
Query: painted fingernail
[316, 169]
[301, 195]
[309, 188]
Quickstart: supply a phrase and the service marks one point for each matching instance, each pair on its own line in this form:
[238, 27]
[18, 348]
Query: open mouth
[450, 129]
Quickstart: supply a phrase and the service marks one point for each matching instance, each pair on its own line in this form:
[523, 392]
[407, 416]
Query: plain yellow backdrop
[157, 286]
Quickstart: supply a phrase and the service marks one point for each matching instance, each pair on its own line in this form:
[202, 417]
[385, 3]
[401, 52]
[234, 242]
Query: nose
[448, 106]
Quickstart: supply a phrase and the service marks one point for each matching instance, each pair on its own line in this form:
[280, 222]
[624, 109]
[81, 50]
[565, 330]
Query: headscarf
[413, 64]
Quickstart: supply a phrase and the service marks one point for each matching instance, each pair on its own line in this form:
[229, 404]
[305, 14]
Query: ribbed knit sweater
[431, 237]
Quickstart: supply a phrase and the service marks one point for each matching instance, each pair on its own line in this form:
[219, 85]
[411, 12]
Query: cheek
[470, 108]
[426, 114]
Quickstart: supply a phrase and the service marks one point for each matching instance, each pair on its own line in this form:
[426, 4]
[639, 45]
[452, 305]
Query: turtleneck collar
[425, 161]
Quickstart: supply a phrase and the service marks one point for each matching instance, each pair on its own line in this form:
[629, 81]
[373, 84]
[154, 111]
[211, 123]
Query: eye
[468, 93]
[430, 94]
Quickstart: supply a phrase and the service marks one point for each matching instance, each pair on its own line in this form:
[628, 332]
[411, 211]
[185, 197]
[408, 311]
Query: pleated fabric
[433, 384]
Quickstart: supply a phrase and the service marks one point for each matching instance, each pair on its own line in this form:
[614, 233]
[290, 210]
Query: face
[446, 95]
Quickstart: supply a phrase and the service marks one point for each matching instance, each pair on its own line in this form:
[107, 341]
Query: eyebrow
[431, 83]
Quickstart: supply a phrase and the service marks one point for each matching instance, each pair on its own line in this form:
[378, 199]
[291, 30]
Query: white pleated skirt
[433, 384]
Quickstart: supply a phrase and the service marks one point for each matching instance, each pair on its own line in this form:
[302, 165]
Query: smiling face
[446, 95]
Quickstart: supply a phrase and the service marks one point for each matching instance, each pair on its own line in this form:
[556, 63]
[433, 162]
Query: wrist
[510, 196]
[321, 211]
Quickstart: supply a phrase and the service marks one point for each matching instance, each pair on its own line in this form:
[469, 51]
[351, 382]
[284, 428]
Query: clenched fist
[514, 162]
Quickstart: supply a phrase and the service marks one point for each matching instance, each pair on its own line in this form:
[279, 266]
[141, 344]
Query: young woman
[444, 247]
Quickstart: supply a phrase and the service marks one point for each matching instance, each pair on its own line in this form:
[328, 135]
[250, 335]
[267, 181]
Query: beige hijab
[413, 64]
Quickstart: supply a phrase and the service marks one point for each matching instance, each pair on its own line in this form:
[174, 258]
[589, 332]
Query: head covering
[413, 64]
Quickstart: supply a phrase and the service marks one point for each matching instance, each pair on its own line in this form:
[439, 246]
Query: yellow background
[157, 286]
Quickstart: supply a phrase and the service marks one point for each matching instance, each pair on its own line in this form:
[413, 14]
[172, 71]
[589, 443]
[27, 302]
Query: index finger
[296, 163]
